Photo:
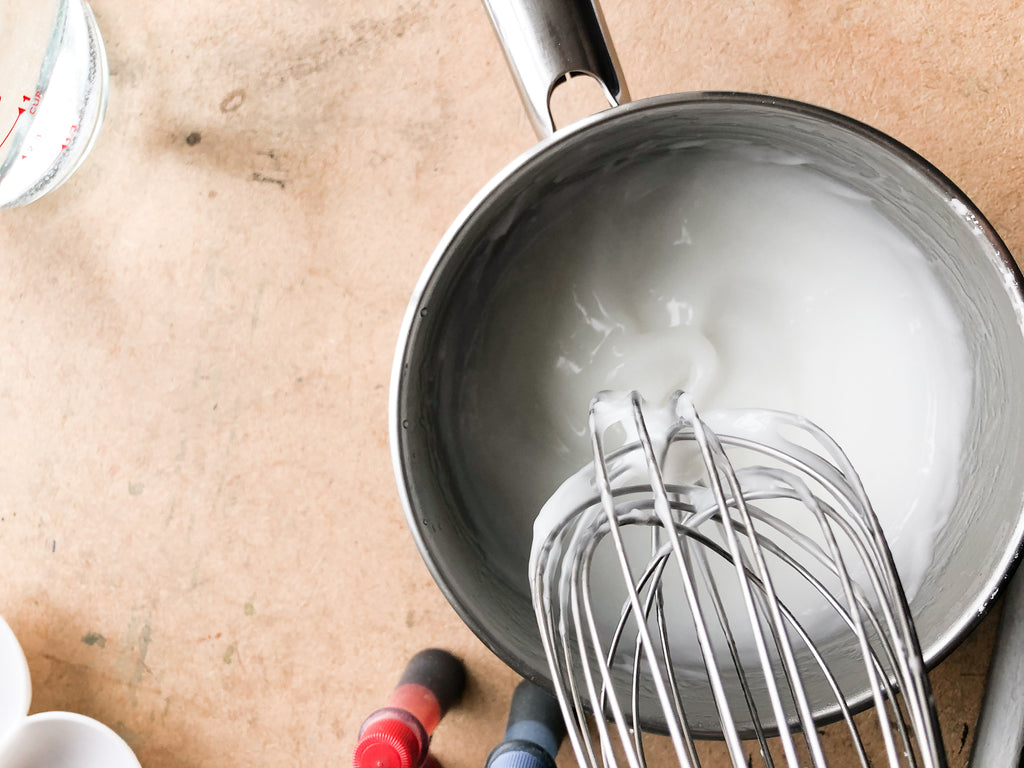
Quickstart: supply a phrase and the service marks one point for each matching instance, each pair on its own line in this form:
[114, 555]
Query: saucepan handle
[546, 40]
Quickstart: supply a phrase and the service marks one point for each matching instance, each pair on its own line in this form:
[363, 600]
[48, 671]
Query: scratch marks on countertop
[145, 637]
[257, 303]
[362, 37]
[272, 165]
[134, 648]
[299, 52]
[260, 177]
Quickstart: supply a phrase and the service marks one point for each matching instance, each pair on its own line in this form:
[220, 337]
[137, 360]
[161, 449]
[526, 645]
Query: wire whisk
[729, 579]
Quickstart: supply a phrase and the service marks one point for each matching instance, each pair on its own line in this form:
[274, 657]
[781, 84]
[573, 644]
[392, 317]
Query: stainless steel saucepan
[476, 538]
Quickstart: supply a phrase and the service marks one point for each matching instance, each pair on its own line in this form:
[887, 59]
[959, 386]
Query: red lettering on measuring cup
[21, 111]
[71, 132]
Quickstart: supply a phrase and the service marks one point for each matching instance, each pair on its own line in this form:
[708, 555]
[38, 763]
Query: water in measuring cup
[53, 94]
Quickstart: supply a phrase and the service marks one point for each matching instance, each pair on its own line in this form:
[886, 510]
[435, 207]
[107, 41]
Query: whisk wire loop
[720, 469]
[764, 577]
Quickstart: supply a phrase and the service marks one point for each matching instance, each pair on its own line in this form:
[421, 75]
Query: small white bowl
[48, 739]
[64, 739]
[16, 690]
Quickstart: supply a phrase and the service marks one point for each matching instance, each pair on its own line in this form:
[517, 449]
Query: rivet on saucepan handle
[545, 40]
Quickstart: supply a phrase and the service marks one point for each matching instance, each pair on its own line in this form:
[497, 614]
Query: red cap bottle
[398, 735]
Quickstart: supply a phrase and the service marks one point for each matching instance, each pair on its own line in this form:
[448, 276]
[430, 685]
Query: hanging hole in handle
[575, 96]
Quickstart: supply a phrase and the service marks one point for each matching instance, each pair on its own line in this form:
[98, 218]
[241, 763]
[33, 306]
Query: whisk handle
[999, 737]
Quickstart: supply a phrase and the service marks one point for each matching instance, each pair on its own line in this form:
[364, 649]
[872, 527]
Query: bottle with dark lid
[534, 733]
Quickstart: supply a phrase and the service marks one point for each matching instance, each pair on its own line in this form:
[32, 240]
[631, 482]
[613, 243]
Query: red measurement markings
[21, 111]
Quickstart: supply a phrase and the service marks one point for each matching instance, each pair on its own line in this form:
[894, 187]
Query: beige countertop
[198, 519]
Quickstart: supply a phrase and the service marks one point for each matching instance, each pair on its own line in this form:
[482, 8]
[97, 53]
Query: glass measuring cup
[53, 94]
